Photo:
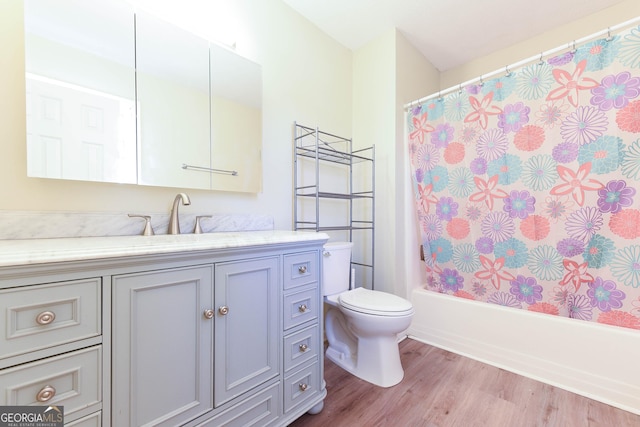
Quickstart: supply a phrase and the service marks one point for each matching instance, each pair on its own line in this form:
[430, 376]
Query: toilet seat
[375, 303]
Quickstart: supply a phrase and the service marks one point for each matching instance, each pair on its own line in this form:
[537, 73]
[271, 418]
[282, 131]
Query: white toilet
[362, 325]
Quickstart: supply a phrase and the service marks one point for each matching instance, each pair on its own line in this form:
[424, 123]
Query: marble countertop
[37, 251]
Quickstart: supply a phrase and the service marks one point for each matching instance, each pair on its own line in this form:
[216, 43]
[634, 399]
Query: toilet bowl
[362, 325]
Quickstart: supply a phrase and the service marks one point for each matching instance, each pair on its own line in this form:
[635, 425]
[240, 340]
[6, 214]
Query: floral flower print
[535, 227]
[484, 245]
[488, 191]
[466, 258]
[626, 223]
[442, 135]
[421, 128]
[513, 117]
[629, 52]
[469, 133]
[615, 196]
[556, 208]
[534, 81]
[576, 183]
[561, 59]
[604, 154]
[619, 318]
[565, 152]
[626, 266]
[441, 250]
[508, 168]
[451, 280]
[438, 177]
[426, 198]
[456, 107]
[551, 114]
[458, 228]
[479, 288]
[576, 274]
[526, 289]
[497, 226]
[604, 295]
[539, 172]
[519, 204]
[426, 157]
[628, 118]
[461, 182]
[454, 153]
[570, 247]
[431, 226]
[529, 138]
[434, 108]
[584, 125]
[478, 166]
[615, 91]
[545, 263]
[571, 84]
[579, 307]
[584, 223]
[482, 110]
[474, 211]
[446, 208]
[561, 295]
[492, 144]
[630, 166]
[599, 251]
[464, 294]
[598, 54]
[493, 271]
[501, 87]
[504, 299]
[513, 251]
[544, 307]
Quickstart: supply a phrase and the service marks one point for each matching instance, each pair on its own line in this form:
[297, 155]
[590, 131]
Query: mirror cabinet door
[80, 90]
[173, 104]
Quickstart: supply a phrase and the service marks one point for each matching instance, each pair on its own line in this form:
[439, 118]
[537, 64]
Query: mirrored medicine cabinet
[115, 94]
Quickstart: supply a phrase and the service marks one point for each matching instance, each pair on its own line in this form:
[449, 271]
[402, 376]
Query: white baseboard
[597, 361]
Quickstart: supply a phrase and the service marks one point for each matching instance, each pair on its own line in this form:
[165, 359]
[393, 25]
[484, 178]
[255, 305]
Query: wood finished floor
[443, 389]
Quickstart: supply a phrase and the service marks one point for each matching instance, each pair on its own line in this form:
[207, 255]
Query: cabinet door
[162, 346]
[247, 331]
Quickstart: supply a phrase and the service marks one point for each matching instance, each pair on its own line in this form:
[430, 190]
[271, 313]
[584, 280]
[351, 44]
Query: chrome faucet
[174, 220]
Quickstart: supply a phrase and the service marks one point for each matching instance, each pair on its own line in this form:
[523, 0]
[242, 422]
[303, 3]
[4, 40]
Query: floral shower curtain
[527, 186]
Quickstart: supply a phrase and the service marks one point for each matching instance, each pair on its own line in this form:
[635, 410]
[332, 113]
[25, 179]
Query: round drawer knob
[224, 310]
[303, 386]
[303, 348]
[46, 394]
[208, 314]
[302, 269]
[45, 318]
[302, 308]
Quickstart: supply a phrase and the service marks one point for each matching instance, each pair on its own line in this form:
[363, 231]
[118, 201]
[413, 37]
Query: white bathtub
[597, 361]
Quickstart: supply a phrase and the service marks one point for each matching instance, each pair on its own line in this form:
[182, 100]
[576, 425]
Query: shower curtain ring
[609, 38]
[541, 61]
[507, 71]
[573, 47]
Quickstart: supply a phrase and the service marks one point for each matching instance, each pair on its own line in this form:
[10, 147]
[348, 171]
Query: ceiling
[449, 33]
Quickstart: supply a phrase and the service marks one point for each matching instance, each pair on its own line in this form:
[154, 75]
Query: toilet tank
[336, 267]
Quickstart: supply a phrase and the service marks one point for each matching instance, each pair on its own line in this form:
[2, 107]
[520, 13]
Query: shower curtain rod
[570, 45]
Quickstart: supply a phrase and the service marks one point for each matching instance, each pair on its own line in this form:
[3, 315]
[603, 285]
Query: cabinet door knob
[302, 308]
[45, 318]
[46, 394]
[303, 386]
[302, 269]
[303, 348]
[224, 310]
[208, 314]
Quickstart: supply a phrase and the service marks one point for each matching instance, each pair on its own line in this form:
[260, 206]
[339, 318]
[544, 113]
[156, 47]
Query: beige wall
[306, 77]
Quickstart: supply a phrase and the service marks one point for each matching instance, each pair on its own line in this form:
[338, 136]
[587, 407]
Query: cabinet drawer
[300, 307]
[301, 386]
[300, 269]
[301, 347]
[259, 410]
[46, 315]
[71, 380]
[93, 420]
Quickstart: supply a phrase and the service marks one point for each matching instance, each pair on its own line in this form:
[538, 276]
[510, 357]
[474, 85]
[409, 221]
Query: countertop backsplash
[17, 225]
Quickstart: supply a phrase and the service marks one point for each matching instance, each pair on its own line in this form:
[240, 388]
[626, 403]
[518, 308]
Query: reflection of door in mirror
[80, 90]
[236, 120]
[173, 104]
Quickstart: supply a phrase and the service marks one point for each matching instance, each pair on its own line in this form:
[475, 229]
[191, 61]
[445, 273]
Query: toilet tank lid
[374, 301]
[338, 245]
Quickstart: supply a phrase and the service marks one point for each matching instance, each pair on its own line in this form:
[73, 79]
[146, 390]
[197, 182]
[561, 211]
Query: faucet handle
[148, 229]
[198, 229]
